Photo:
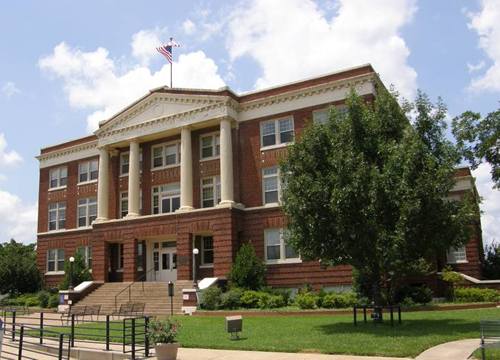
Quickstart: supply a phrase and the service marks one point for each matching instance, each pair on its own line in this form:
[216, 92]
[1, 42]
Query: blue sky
[65, 66]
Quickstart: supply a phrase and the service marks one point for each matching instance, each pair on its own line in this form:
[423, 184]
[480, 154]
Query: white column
[103, 185]
[226, 163]
[133, 180]
[186, 170]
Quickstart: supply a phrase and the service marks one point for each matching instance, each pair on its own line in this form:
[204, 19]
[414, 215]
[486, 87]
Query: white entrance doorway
[165, 260]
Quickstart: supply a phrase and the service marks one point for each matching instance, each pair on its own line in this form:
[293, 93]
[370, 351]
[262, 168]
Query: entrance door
[165, 261]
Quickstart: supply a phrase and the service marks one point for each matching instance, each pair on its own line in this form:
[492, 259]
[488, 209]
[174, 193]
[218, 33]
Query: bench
[78, 311]
[92, 310]
[129, 310]
[490, 335]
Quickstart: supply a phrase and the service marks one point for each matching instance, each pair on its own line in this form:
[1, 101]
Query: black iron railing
[128, 288]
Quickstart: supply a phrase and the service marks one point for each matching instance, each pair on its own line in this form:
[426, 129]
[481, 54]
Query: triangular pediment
[157, 105]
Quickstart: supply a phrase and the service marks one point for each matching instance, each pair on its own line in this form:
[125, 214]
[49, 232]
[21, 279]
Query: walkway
[454, 350]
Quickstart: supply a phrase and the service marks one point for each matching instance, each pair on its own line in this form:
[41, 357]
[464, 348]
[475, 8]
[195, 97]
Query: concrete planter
[166, 351]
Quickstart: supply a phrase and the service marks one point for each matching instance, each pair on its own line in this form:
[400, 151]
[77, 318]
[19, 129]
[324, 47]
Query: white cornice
[76, 152]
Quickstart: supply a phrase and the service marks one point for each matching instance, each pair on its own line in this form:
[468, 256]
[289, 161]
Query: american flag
[166, 50]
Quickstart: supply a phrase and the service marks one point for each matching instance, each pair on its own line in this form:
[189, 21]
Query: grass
[326, 334]
[491, 354]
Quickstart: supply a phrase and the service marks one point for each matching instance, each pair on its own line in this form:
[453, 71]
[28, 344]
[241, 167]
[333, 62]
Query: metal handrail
[129, 287]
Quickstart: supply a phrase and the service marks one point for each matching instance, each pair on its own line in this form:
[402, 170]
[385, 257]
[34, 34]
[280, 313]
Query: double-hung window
[87, 211]
[88, 171]
[276, 132]
[57, 216]
[276, 248]
[210, 191]
[165, 155]
[457, 255]
[166, 198]
[58, 177]
[125, 162]
[86, 254]
[271, 186]
[55, 260]
[207, 250]
[209, 146]
[124, 203]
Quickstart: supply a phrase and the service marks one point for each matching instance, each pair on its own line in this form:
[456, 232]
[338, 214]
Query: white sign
[185, 296]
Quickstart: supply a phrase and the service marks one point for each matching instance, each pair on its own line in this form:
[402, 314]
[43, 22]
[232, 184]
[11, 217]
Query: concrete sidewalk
[454, 350]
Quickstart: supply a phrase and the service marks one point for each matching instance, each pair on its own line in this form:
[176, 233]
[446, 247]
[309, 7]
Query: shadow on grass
[413, 328]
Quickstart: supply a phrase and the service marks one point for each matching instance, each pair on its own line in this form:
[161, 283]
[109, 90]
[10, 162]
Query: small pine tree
[248, 271]
[80, 272]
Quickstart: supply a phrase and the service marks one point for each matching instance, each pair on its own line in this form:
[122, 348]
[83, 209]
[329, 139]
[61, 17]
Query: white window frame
[86, 251]
[322, 111]
[163, 147]
[277, 132]
[59, 171]
[216, 191]
[59, 207]
[283, 259]
[163, 194]
[278, 176]
[126, 155]
[123, 198]
[203, 250]
[86, 203]
[88, 171]
[215, 145]
[121, 258]
[56, 261]
[457, 255]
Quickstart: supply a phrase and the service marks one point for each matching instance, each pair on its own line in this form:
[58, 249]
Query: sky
[65, 66]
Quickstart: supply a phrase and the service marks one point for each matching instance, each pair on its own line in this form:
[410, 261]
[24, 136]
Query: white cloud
[490, 205]
[17, 219]
[189, 27]
[93, 81]
[8, 158]
[475, 67]
[145, 42]
[293, 39]
[486, 23]
[10, 89]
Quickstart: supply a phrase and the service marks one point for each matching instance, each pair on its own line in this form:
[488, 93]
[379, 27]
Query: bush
[421, 294]
[43, 298]
[53, 300]
[231, 299]
[284, 293]
[476, 295]
[248, 271]
[339, 300]
[250, 298]
[306, 300]
[211, 298]
[80, 272]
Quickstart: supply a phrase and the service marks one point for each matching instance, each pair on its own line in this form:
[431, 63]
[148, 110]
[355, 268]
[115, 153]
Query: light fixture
[196, 251]
[71, 259]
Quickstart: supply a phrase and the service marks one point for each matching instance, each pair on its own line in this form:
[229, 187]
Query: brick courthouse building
[181, 169]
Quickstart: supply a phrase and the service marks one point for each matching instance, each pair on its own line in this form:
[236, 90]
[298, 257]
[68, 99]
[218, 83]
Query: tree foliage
[491, 265]
[479, 140]
[248, 270]
[18, 271]
[79, 274]
[370, 190]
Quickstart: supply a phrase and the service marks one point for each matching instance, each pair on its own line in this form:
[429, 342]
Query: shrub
[284, 293]
[80, 272]
[231, 299]
[476, 295]
[250, 298]
[339, 300]
[306, 300]
[421, 294]
[211, 298]
[43, 298]
[163, 331]
[248, 270]
[276, 301]
[53, 300]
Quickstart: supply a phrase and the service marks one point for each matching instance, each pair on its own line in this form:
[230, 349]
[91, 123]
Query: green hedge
[43, 299]
[476, 295]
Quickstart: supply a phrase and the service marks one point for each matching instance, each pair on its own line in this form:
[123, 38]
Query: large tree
[479, 140]
[370, 190]
[18, 270]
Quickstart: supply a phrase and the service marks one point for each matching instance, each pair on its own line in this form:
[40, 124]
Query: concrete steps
[154, 294]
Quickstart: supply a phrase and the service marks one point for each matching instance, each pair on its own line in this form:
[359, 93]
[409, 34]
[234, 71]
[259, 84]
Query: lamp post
[71, 261]
[195, 252]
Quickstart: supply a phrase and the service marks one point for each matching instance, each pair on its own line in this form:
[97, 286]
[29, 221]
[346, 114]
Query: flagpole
[172, 62]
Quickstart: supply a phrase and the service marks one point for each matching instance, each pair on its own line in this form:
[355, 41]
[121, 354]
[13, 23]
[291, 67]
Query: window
[207, 250]
[57, 216]
[166, 198]
[210, 191]
[210, 146]
[86, 253]
[275, 132]
[88, 171]
[166, 155]
[271, 187]
[457, 255]
[277, 250]
[320, 116]
[58, 177]
[87, 211]
[125, 160]
[55, 260]
[124, 203]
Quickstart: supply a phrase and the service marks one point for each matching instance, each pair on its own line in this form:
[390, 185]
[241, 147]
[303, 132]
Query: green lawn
[330, 334]
[491, 354]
